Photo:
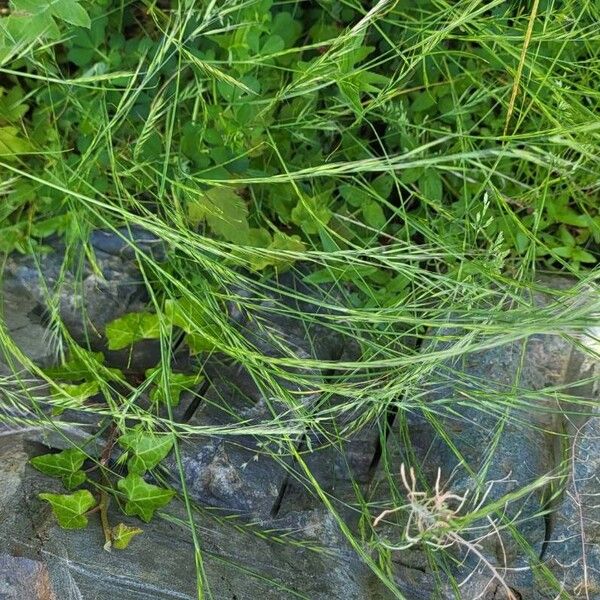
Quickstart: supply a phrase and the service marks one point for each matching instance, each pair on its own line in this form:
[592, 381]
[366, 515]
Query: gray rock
[250, 474]
[24, 579]
[512, 445]
[86, 296]
[573, 547]
[239, 562]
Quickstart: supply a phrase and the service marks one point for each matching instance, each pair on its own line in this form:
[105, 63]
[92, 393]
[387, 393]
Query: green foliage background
[377, 142]
[296, 126]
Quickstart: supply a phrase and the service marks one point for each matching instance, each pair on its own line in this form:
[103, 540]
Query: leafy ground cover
[425, 158]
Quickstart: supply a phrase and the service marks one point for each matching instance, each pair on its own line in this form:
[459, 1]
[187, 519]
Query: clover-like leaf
[131, 328]
[143, 498]
[70, 509]
[146, 448]
[65, 464]
[177, 383]
[122, 534]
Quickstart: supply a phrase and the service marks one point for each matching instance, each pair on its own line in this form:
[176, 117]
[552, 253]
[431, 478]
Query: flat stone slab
[499, 449]
[239, 561]
[24, 579]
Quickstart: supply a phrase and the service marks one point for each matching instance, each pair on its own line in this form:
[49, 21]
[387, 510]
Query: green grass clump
[426, 159]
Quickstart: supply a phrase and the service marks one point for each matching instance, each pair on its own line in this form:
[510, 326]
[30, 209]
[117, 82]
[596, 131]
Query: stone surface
[573, 552]
[512, 447]
[250, 474]
[86, 296]
[239, 561]
[266, 534]
[24, 579]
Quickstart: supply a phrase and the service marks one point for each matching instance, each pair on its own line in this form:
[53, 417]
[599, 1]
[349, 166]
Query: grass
[429, 183]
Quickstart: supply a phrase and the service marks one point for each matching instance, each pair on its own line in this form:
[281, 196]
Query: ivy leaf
[131, 328]
[65, 464]
[76, 395]
[177, 382]
[83, 365]
[143, 498]
[146, 447]
[224, 212]
[70, 509]
[122, 534]
[74, 480]
[200, 329]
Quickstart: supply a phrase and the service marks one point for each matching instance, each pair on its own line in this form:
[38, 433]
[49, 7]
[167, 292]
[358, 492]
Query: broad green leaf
[76, 395]
[354, 195]
[12, 144]
[411, 175]
[224, 212]
[83, 365]
[383, 185]
[311, 213]
[74, 480]
[281, 242]
[584, 256]
[122, 535]
[70, 509]
[198, 325]
[66, 10]
[430, 184]
[131, 328]
[143, 498]
[65, 464]
[71, 12]
[12, 108]
[177, 383]
[146, 448]
[373, 214]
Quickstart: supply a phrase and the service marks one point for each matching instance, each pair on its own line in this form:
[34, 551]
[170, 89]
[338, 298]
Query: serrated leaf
[143, 498]
[177, 383]
[12, 144]
[311, 213]
[131, 328]
[224, 212]
[121, 535]
[146, 448]
[70, 509]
